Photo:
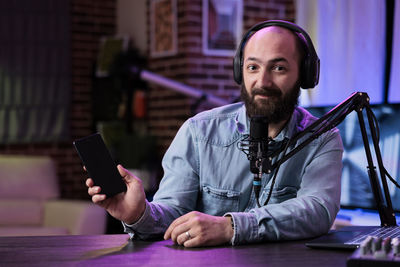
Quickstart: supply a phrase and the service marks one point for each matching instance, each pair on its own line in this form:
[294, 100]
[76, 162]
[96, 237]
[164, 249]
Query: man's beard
[277, 107]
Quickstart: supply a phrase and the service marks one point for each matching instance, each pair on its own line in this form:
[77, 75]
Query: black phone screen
[99, 164]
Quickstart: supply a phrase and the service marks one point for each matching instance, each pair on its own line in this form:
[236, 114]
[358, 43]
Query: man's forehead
[281, 39]
[273, 31]
[275, 28]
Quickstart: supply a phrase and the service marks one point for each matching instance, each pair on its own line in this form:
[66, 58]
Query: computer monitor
[356, 188]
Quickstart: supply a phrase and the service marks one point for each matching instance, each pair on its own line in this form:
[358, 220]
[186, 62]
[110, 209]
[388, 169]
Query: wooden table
[117, 250]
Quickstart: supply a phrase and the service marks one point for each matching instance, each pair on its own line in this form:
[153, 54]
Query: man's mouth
[265, 93]
[262, 96]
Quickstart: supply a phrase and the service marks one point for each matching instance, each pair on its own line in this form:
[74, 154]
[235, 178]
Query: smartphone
[99, 164]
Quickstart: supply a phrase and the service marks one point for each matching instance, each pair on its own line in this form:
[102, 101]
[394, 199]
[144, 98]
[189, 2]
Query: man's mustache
[266, 92]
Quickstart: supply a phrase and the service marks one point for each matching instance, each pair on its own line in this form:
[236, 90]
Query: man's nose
[264, 80]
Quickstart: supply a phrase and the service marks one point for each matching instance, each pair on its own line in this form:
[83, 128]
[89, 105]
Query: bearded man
[206, 196]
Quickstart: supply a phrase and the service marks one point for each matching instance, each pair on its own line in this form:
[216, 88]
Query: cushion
[20, 212]
[78, 216]
[27, 177]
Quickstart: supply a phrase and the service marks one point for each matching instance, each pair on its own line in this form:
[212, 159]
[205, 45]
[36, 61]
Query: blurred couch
[30, 203]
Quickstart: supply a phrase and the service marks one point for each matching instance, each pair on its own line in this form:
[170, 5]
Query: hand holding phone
[99, 164]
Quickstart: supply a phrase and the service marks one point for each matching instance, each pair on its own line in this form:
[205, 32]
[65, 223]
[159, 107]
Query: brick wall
[213, 74]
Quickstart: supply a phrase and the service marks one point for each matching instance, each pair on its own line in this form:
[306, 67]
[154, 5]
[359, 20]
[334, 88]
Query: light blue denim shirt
[204, 170]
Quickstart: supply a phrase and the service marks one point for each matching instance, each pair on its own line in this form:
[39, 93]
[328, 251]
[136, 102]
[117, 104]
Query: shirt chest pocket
[216, 201]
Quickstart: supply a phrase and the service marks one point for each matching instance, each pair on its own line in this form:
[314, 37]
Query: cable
[376, 124]
[378, 137]
[391, 178]
[257, 181]
[275, 174]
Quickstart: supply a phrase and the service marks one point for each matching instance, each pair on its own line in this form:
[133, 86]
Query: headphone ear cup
[237, 68]
[309, 72]
[305, 74]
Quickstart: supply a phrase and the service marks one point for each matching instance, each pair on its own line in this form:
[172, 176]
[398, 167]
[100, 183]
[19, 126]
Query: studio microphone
[258, 150]
[258, 141]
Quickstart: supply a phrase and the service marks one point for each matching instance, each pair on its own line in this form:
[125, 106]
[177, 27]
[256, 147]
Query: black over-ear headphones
[309, 67]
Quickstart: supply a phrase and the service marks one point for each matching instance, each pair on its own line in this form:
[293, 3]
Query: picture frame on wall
[222, 26]
[163, 28]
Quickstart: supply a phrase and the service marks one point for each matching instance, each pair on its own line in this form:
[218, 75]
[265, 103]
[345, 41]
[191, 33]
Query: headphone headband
[310, 65]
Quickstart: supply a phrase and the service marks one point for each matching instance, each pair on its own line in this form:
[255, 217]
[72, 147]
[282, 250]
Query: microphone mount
[357, 102]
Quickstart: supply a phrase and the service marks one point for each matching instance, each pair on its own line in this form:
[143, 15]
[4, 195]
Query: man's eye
[279, 68]
[252, 67]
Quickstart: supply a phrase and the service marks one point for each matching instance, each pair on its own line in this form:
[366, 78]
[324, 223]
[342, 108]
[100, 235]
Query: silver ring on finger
[188, 235]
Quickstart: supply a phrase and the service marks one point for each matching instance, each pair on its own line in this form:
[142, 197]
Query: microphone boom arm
[355, 102]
